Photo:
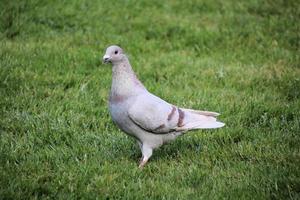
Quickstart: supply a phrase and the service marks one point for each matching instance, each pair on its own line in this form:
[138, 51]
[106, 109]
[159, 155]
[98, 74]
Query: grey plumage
[144, 116]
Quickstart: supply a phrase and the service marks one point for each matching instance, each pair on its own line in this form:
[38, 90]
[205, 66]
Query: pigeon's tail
[200, 120]
[201, 112]
[210, 125]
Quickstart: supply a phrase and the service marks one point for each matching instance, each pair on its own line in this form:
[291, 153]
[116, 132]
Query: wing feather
[154, 114]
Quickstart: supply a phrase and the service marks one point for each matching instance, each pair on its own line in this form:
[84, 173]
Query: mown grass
[238, 58]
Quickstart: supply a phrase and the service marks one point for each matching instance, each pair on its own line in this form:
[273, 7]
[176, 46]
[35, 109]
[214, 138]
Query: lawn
[239, 58]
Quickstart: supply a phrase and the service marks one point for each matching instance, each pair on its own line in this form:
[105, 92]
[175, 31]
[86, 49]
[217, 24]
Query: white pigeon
[144, 116]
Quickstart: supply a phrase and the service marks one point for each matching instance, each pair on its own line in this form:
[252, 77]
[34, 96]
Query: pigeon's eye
[116, 52]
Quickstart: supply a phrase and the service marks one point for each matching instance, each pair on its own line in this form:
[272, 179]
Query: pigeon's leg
[141, 148]
[140, 144]
[147, 153]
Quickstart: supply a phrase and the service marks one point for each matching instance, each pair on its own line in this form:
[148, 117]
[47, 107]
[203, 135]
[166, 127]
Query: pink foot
[142, 164]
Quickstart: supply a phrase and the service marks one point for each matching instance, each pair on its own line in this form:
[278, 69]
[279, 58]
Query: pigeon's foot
[142, 164]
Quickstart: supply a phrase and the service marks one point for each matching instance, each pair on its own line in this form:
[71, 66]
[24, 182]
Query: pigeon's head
[113, 54]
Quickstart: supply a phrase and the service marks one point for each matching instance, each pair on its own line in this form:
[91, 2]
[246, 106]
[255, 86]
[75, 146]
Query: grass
[241, 59]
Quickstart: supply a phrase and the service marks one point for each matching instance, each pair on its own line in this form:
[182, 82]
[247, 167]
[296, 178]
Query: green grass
[239, 58]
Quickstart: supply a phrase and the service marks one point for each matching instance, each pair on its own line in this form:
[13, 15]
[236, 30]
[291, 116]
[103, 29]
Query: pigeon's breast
[119, 114]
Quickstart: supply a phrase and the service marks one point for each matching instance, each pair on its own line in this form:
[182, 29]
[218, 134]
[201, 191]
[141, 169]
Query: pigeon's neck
[124, 81]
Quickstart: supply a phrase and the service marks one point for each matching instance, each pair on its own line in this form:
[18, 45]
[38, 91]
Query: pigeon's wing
[155, 115]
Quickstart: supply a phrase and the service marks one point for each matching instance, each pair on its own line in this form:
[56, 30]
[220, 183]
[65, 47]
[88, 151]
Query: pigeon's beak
[106, 58]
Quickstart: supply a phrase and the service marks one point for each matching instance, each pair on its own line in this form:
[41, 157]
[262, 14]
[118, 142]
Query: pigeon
[144, 116]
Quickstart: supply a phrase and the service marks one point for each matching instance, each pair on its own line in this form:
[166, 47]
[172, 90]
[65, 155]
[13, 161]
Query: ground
[239, 58]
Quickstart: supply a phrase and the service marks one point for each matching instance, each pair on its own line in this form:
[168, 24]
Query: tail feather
[201, 112]
[210, 125]
[201, 125]
[200, 120]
